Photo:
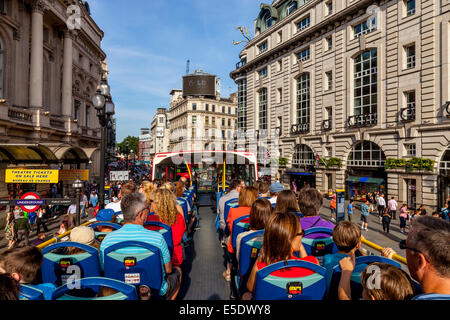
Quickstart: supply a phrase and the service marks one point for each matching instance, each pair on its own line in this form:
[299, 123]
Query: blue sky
[148, 42]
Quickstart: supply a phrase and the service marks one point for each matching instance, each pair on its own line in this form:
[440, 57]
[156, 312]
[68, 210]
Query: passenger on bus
[287, 202]
[10, 288]
[259, 215]
[282, 237]
[247, 196]
[135, 212]
[127, 188]
[264, 190]
[310, 202]
[394, 283]
[146, 188]
[163, 204]
[231, 193]
[428, 256]
[275, 189]
[171, 187]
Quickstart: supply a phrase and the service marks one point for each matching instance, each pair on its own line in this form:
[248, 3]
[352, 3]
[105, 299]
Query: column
[37, 53]
[67, 74]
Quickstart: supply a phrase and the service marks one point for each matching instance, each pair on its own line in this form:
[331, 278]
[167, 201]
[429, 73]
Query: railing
[365, 31]
[362, 120]
[300, 128]
[299, 162]
[240, 64]
[409, 113]
[326, 125]
[20, 115]
[55, 239]
[261, 133]
[378, 248]
[366, 163]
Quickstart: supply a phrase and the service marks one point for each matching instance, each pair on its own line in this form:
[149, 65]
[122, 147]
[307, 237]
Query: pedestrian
[83, 204]
[40, 219]
[422, 211]
[365, 212]
[386, 220]
[350, 210]
[23, 228]
[404, 214]
[381, 206]
[392, 205]
[333, 207]
[72, 213]
[10, 232]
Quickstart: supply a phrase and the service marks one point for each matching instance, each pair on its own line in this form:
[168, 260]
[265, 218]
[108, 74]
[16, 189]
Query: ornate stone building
[48, 77]
[364, 85]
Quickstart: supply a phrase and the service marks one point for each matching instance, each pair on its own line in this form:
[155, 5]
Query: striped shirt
[134, 232]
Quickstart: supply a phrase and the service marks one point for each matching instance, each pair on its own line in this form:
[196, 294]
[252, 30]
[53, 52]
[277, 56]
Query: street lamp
[78, 185]
[105, 109]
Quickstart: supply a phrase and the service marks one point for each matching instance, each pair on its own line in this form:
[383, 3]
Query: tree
[132, 145]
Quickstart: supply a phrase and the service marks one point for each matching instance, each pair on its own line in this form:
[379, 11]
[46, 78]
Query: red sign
[30, 196]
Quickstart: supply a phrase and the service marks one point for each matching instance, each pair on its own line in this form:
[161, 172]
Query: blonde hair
[168, 186]
[165, 202]
[148, 188]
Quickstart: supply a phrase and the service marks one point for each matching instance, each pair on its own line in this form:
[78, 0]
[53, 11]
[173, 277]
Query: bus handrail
[55, 239]
[378, 248]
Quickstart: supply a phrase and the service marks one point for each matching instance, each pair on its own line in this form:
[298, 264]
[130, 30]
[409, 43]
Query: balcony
[301, 128]
[18, 114]
[408, 114]
[240, 64]
[362, 120]
[261, 133]
[327, 125]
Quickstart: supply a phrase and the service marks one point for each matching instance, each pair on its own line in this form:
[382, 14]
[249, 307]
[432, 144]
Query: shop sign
[31, 176]
[72, 175]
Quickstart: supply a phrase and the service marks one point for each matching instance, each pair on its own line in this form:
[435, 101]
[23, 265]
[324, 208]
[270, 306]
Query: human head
[395, 284]
[163, 204]
[235, 184]
[169, 186]
[310, 201]
[286, 202]
[247, 196]
[183, 180]
[429, 256]
[281, 236]
[276, 188]
[134, 208]
[257, 184]
[260, 214]
[83, 235]
[264, 188]
[146, 188]
[351, 201]
[347, 236]
[10, 288]
[179, 189]
[127, 188]
[23, 264]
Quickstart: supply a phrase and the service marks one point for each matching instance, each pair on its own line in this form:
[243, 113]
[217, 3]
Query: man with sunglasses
[428, 256]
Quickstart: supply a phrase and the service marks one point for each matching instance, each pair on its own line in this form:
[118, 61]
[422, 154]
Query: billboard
[199, 85]
[31, 176]
[118, 176]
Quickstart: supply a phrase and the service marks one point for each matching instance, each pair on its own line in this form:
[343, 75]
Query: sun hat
[82, 234]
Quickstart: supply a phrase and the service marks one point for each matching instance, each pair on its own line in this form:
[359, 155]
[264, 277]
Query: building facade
[144, 145]
[49, 74]
[202, 122]
[357, 92]
[159, 132]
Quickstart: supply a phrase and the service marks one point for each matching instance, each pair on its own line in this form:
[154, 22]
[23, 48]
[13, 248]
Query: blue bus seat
[321, 246]
[269, 287]
[240, 225]
[232, 203]
[141, 268]
[55, 267]
[355, 284]
[29, 293]
[164, 229]
[251, 244]
[99, 236]
[183, 203]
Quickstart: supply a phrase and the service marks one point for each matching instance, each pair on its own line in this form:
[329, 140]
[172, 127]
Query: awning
[365, 180]
[301, 173]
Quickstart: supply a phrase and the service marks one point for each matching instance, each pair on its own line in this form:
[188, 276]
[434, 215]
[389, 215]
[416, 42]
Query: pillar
[37, 53]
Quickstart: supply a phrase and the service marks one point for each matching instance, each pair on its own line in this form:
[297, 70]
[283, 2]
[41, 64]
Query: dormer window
[292, 7]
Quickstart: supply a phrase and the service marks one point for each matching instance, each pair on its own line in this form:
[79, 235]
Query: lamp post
[128, 158]
[78, 185]
[105, 109]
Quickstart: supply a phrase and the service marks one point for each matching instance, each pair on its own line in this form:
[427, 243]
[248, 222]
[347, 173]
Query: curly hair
[148, 187]
[166, 208]
[168, 186]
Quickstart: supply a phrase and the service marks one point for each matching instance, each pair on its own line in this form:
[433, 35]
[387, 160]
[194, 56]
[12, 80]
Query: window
[213, 119]
[267, 18]
[410, 149]
[410, 99]
[364, 27]
[76, 113]
[3, 9]
[279, 65]
[303, 155]
[229, 110]
[409, 113]
[207, 107]
[88, 115]
[280, 36]
[206, 120]
[329, 151]
[213, 108]
[194, 119]
[279, 95]
[193, 133]
[206, 133]
[303, 55]
[262, 73]
[194, 106]
[366, 154]
[365, 83]
[1, 69]
[410, 56]
[304, 23]
[410, 7]
[242, 105]
[329, 78]
[223, 109]
[263, 108]
[229, 122]
[330, 43]
[303, 99]
[223, 135]
[161, 120]
[262, 47]
[223, 122]
[292, 7]
[329, 6]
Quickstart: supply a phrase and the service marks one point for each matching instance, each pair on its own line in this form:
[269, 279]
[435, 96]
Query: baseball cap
[105, 215]
[276, 187]
[82, 234]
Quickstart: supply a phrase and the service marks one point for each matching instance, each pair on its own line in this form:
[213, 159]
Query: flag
[317, 160]
[267, 156]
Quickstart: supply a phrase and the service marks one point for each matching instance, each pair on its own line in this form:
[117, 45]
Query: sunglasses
[402, 244]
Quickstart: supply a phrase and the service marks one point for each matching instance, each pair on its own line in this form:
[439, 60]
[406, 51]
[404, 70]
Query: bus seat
[232, 203]
[320, 246]
[355, 284]
[29, 293]
[126, 291]
[142, 268]
[99, 236]
[55, 267]
[269, 287]
[251, 244]
[183, 203]
[241, 224]
[164, 229]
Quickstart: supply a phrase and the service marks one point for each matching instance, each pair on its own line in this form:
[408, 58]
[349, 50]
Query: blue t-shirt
[350, 208]
[432, 296]
[364, 209]
[330, 261]
[93, 200]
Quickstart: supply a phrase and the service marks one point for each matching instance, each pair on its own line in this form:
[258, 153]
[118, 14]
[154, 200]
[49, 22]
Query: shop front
[358, 187]
[299, 178]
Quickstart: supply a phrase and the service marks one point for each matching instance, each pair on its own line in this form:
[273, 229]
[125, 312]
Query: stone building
[356, 89]
[159, 132]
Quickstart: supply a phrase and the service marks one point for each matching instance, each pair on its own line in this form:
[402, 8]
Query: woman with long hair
[163, 204]
[287, 202]
[147, 188]
[282, 237]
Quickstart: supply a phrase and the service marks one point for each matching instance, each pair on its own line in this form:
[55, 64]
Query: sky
[148, 42]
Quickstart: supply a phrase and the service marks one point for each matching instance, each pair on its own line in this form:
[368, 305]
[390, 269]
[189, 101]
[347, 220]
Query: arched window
[292, 7]
[365, 87]
[1, 69]
[445, 161]
[303, 99]
[263, 109]
[303, 155]
[366, 154]
[267, 20]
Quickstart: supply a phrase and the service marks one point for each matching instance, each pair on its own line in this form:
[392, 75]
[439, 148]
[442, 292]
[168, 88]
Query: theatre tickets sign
[31, 176]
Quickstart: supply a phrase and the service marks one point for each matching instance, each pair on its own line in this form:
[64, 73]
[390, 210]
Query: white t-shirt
[116, 207]
[72, 209]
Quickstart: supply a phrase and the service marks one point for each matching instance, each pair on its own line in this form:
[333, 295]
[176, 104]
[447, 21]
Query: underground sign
[30, 202]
